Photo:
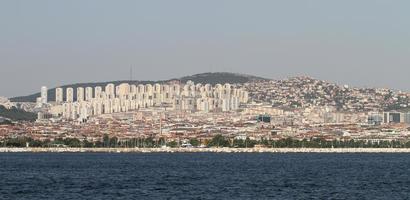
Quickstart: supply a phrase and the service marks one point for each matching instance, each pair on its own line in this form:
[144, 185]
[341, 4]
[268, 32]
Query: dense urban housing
[300, 112]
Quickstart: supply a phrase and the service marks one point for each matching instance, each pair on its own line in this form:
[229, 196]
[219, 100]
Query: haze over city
[360, 43]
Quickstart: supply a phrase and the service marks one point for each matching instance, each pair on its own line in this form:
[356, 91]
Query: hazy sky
[356, 42]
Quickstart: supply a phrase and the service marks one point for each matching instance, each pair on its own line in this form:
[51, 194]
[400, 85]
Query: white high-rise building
[69, 95]
[39, 103]
[88, 93]
[110, 90]
[67, 109]
[98, 91]
[80, 94]
[44, 95]
[125, 97]
[140, 89]
[59, 95]
[133, 89]
[123, 90]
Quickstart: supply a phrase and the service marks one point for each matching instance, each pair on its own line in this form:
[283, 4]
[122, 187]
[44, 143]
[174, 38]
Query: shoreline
[203, 150]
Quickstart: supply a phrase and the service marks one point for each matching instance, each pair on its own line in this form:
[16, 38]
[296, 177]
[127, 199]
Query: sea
[204, 176]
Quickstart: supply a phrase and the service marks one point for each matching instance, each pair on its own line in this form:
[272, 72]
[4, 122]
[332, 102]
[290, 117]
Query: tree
[194, 142]
[113, 142]
[238, 143]
[172, 144]
[219, 141]
[72, 142]
[88, 144]
[106, 140]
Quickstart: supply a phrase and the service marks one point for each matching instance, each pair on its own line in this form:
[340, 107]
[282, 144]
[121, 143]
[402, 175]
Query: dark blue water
[204, 176]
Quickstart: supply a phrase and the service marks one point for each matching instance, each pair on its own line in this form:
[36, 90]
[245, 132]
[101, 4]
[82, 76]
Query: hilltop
[221, 78]
[204, 78]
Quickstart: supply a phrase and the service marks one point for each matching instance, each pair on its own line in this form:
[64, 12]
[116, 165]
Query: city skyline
[102, 82]
[54, 43]
[216, 99]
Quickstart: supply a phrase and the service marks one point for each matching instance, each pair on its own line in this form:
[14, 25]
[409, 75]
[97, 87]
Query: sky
[362, 43]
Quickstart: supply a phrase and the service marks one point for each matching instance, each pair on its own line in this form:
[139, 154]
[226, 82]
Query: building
[98, 91]
[44, 95]
[70, 95]
[126, 97]
[59, 95]
[80, 94]
[110, 90]
[88, 93]
[375, 119]
[392, 117]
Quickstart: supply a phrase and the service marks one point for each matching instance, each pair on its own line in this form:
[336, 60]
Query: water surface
[204, 176]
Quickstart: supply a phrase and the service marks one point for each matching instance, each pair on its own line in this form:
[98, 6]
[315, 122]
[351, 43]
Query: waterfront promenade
[206, 150]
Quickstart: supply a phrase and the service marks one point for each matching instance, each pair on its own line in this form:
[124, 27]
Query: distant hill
[220, 77]
[15, 114]
[204, 78]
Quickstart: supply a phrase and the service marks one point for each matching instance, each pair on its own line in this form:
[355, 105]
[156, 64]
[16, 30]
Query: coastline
[203, 150]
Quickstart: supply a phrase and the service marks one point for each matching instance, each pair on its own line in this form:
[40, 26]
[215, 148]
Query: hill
[204, 78]
[221, 78]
